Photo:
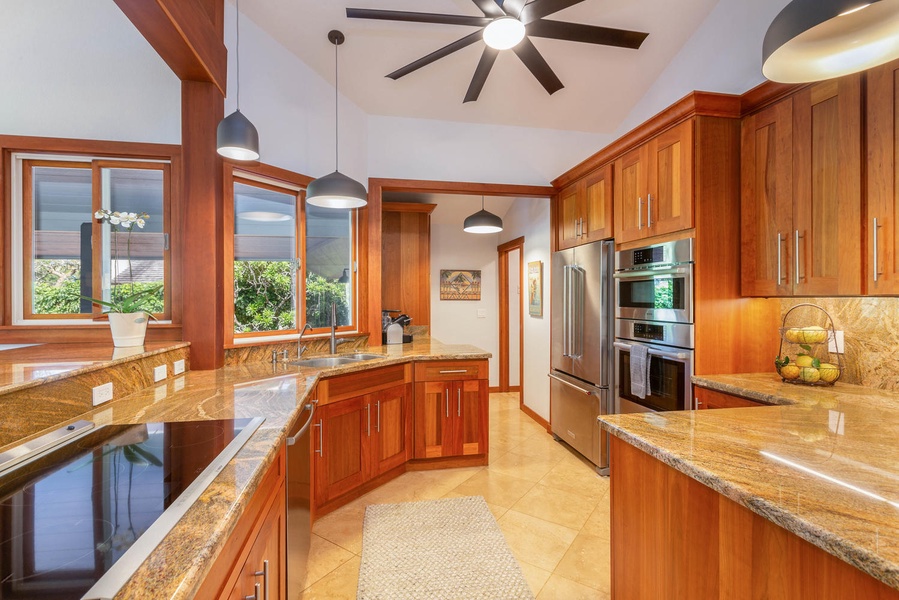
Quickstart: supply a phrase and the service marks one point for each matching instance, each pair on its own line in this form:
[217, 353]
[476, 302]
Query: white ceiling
[602, 84]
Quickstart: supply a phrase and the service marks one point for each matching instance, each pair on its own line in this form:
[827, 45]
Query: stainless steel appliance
[299, 499]
[581, 374]
[654, 309]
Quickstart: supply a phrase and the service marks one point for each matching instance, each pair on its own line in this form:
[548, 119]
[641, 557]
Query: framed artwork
[460, 284]
[535, 288]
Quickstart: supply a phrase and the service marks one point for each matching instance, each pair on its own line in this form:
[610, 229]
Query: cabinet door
[711, 399]
[569, 214]
[392, 428]
[340, 452]
[597, 206]
[669, 204]
[266, 562]
[471, 414]
[766, 202]
[631, 189]
[882, 225]
[433, 424]
[827, 146]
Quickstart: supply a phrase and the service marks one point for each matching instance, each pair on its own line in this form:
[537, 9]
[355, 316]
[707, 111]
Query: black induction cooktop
[68, 517]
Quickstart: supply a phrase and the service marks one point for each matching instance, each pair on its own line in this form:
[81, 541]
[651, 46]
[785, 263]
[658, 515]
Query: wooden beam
[460, 187]
[187, 34]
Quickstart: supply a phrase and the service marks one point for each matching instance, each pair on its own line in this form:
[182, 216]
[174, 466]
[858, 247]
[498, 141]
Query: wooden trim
[693, 104]
[185, 35]
[494, 390]
[540, 420]
[511, 245]
[407, 207]
[503, 252]
[459, 187]
[446, 462]
[93, 148]
[767, 93]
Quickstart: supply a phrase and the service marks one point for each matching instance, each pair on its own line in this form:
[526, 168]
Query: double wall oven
[654, 309]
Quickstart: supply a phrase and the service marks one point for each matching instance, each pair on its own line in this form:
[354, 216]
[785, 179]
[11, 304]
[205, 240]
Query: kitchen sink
[363, 356]
[324, 362]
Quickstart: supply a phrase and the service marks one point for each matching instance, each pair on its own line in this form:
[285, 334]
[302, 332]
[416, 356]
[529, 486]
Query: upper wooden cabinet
[654, 186]
[801, 193]
[585, 209]
[882, 235]
[406, 259]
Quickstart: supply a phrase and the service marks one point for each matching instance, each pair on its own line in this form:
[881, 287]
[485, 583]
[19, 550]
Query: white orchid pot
[128, 329]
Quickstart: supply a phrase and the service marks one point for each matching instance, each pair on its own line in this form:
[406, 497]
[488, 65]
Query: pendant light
[483, 222]
[236, 137]
[811, 40]
[336, 190]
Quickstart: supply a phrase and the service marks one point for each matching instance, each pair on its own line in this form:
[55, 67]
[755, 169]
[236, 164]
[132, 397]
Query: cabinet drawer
[711, 399]
[363, 382]
[454, 370]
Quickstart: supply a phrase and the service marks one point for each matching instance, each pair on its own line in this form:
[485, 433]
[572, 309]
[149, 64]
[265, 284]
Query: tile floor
[551, 505]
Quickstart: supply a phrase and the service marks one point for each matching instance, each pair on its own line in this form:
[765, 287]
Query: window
[289, 259]
[66, 254]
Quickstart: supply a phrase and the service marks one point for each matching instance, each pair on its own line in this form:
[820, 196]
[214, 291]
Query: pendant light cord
[237, 49]
[336, 116]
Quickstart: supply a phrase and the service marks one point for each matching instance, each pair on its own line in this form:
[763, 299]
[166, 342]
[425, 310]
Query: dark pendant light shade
[237, 138]
[345, 276]
[482, 222]
[812, 40]
[336, 190]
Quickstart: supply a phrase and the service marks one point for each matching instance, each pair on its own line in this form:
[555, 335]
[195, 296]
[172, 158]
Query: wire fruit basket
[805, 358]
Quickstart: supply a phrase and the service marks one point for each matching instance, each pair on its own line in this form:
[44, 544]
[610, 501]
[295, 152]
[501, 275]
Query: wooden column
[202, 107]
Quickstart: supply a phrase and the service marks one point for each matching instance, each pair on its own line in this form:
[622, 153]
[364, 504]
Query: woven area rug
[435, 550]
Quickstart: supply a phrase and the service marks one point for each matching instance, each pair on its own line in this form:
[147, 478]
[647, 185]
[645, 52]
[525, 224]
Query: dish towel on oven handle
[640, 371]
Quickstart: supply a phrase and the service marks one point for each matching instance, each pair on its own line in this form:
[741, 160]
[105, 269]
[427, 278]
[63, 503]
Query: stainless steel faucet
[300, 346]
[334, 341]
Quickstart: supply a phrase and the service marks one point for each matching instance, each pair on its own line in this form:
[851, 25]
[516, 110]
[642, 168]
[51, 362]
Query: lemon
[809, 374]
[792, 335]
[789, 371]
[813, 334]
[829, 372]
[804, 360]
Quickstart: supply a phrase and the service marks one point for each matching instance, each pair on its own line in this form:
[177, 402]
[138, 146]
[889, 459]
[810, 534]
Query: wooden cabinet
[801, 193]
[585, 209]
[710, 399]
[405, 259]
[451, 409]
[653, 189]
[882, 222]
[263, 575]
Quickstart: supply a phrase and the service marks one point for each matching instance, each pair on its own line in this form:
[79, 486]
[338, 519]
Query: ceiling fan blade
[541, 8]
[480, 74]
[537, 65]
[589, 34]
[468, 40]
[415, 17]
[490, 8]
[513, 8]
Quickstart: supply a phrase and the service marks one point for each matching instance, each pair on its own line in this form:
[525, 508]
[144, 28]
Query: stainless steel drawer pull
[255, 595]
[779, 258]
[264, 574]
[446, 401]
[649, 211]
[368, 420]
[875, 250]
[569, 384]
[458, 402]
[378, 421]
[796, 257]
[321, 439]
[449, 371]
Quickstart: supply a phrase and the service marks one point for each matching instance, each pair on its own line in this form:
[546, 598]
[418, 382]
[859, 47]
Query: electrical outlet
[835, 345]
[178, 367]
[482, 313]
[102, 393]
[160, 373]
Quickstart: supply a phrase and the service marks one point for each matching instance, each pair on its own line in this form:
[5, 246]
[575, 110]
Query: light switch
[482, 313]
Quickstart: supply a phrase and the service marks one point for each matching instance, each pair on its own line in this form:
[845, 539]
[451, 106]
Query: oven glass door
[665, 296]
[668, 381]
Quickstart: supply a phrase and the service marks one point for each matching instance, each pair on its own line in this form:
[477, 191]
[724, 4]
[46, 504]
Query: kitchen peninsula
[182, 564]
[794, 500]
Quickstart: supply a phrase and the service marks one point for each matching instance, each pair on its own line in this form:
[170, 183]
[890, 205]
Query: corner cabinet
[584, 210]
[653, 192]
[451, 409]
[801, 193]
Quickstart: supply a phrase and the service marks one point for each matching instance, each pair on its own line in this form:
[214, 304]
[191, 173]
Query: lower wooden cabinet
[451, 418]
[263, 575]
[708, 399]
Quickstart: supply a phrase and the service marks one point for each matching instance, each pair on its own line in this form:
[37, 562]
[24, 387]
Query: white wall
[82, 70]
[529, 217]
[723, 55]
[446, 151]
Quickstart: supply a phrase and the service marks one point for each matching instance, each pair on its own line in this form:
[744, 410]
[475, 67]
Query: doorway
[511, 319]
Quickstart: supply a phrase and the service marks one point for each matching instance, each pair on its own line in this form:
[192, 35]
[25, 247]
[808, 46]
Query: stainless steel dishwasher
[299, 501]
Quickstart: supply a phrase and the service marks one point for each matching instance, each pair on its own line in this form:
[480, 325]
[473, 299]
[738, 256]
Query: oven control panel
[649, 331]
[679, 335]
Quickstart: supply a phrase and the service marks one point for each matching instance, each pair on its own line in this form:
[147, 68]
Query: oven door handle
[680, 356]
[650, 273]
[571, 385]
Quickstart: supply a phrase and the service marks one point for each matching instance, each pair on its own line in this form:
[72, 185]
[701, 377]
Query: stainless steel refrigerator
[582, 360]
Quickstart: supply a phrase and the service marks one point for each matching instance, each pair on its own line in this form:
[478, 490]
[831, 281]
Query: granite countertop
[822, 462]
[277, 392]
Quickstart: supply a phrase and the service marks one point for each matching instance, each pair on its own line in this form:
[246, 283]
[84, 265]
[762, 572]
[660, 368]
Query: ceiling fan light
[237, 138]
[482, 222]
[812, 40]
[336, 191]
[504, 33]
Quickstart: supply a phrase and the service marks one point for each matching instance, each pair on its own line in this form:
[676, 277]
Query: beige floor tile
[535, 576]
[571, 475]
[588, 562]
[342, 527]
[340, 584]
[556, 506]
[559, 588]
[535, 541]
[542, 444]
[496, 488]
[531, 468]
[600, 522]
[324, 557]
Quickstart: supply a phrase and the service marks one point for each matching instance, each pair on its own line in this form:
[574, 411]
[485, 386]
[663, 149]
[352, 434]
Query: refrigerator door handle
[577, 312]
[566, 311]
[569, 384]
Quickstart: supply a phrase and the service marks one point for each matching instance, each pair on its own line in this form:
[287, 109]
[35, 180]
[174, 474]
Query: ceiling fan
[506, 24]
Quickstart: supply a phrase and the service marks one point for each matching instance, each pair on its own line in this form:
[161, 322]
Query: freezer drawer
[574, 408]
